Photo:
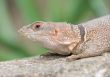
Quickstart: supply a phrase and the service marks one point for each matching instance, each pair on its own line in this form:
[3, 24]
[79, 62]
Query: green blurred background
[16, 13]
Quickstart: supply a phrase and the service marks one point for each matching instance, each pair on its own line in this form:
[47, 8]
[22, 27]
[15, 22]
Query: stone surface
[57, 66]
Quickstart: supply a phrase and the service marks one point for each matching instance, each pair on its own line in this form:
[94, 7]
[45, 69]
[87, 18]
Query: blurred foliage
[16, 13]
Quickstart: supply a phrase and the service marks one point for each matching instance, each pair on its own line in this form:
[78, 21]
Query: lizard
[84, 40]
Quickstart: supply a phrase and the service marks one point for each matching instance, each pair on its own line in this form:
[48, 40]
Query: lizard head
[56, 36]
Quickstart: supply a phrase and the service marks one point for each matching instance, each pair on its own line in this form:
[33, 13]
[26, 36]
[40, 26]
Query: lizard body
[84, 40]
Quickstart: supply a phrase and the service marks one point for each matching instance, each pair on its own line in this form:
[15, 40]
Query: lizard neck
[81, 33]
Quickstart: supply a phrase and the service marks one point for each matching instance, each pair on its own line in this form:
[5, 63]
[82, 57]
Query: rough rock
[57, 66]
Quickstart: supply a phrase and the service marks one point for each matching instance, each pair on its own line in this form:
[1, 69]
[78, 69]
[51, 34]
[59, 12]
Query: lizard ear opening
[55, 32]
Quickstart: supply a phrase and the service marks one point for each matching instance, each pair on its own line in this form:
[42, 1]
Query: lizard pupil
[37, 26]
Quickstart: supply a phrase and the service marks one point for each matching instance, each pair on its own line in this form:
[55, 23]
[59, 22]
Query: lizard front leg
[82, 55]
[91, 51]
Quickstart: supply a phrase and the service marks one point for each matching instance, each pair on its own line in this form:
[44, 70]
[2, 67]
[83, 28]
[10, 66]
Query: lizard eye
[36, 26]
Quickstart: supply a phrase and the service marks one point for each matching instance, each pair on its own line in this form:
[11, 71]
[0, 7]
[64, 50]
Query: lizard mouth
[30, 34]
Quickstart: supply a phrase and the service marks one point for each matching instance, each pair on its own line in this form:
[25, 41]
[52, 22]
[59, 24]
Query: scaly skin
[84, 40]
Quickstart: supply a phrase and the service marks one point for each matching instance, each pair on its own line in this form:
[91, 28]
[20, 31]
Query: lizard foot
[72, 58]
